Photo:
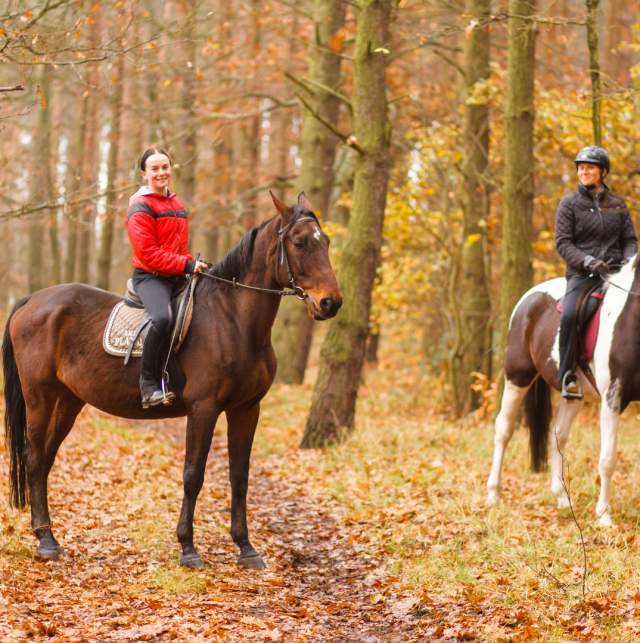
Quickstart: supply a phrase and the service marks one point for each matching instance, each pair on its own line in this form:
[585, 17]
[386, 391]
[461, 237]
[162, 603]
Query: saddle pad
[124, 322]
[122, 326]
[590, 334]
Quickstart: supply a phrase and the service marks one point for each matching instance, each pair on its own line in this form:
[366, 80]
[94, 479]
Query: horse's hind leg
[567, 411]
[49, 420]
[505, 425]
[242, 428]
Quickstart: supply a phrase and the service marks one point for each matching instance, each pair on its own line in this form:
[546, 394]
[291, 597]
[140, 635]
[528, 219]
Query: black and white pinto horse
[531, 369]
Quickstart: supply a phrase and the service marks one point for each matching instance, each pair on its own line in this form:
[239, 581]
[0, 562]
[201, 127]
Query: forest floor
[385, 538]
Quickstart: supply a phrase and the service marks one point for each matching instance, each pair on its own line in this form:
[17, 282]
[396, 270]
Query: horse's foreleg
[200, 427]
[567, 411]
[505, 425]
[242, 427]
[609, 419]
[46, 431]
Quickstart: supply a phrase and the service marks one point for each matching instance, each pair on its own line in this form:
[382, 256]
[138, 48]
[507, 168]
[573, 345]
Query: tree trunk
[90, 158]
[41, 188]
[293, 329]
[334, 397]
[517, 269]
[187, 152]
[72, 189]
[104, 258]
[472, 293]
[594, 69]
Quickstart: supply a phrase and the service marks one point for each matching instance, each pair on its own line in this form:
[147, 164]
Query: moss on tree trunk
[334, 397]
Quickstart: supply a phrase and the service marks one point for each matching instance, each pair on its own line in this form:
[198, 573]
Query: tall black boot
[151, 391]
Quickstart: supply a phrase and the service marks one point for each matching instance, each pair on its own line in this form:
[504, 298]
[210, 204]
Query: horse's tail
[537, 405]
[15, 419]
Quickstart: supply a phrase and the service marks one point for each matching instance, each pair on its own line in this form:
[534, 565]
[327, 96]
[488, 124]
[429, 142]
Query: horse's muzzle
[327, 308]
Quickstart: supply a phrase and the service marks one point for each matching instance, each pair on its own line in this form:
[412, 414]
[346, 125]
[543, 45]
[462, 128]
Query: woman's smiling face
[590, 175]
[157, 172]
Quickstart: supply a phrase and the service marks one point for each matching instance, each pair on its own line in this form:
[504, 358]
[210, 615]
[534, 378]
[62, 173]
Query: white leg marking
[505, 425]
[567, 411]
[609, 419]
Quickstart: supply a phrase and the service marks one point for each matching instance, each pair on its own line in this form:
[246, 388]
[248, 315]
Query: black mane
[236, 262]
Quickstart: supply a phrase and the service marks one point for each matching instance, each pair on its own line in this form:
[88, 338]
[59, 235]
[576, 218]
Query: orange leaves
[336, 43]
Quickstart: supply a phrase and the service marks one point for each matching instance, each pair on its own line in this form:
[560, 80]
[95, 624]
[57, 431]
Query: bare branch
[16, 88]
[347, 139]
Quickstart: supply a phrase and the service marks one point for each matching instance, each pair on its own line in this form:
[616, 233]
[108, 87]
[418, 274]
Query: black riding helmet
[594, 155]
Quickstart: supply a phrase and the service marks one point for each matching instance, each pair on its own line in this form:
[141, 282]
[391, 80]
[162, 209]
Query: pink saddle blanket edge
[590, 334]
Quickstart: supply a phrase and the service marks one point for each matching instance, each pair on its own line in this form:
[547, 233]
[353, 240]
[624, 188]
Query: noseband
[282, 257]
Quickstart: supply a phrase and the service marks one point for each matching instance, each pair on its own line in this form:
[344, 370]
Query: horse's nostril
[330, 306]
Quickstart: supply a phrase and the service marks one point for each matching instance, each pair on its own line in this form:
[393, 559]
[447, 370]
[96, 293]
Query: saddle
[128, 322]
[588, 321]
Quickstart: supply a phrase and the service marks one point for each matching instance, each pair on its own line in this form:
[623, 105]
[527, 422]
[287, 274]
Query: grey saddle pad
[124, 323]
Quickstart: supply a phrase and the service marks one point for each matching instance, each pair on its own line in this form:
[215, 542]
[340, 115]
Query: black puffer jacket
[593, 225]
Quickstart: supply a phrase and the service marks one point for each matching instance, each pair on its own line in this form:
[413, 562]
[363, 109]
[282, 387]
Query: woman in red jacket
[159, 233]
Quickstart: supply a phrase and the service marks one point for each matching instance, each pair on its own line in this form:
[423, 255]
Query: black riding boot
[150, 389]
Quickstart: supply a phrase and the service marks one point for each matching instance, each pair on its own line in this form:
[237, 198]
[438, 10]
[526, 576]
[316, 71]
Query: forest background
[434, 140]
[251, 96]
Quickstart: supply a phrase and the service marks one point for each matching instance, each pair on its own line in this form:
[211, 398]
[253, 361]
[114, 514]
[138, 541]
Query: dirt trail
[115, 495]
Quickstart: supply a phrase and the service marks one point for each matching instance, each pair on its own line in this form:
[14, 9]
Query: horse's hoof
[251, 561]
[49, 553]
[493, 499]
[563, 502]
[605, 521]
[192, 561]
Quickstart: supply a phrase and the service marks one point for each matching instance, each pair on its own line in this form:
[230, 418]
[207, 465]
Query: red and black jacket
[158, 229]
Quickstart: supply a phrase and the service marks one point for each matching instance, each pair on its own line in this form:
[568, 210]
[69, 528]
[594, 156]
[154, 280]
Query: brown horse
[54, 365]
[531, 372]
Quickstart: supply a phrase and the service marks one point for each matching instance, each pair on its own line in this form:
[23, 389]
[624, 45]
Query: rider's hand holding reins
[598, 267]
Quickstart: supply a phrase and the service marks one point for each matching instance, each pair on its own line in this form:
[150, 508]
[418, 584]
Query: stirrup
[571, 387]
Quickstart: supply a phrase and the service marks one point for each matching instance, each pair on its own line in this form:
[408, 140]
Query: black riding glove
[598, 267]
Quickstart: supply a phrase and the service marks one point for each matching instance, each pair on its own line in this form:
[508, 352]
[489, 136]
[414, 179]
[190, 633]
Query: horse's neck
[255, 312]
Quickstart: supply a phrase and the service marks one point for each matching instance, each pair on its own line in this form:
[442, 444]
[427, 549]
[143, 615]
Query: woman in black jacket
[594, 235]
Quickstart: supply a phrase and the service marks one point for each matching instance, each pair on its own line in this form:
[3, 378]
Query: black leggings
[576, 287]
[156, 293]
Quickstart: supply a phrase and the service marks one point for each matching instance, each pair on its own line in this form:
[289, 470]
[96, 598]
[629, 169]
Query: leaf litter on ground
[385, 537]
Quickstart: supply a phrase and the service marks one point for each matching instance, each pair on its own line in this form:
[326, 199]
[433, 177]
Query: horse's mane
[238, 259]
[236, 262]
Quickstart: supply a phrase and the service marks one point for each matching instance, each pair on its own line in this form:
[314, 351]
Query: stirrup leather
[571, 390]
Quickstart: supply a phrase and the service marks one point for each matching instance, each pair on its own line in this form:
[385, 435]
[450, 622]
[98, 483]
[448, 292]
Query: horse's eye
[300, 242]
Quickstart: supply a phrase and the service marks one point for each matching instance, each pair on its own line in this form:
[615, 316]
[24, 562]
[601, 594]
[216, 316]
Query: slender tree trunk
[187, 154]
[471, 295]
[111, 214]
[41, 188]
[293, 329]
[517, 269]
[73, 182]
[594, 69]
[334, 396]
[90, 158]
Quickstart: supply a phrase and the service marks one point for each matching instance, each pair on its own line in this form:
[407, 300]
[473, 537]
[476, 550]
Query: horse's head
[302, 259]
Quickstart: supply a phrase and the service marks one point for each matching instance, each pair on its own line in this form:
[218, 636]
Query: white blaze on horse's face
[316, 233]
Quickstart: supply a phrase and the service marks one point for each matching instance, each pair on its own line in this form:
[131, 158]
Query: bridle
[282, 258]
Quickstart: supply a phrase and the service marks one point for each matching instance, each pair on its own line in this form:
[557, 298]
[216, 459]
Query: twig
[16, 88]
[330, 90]
[346, 139]
[575, 520]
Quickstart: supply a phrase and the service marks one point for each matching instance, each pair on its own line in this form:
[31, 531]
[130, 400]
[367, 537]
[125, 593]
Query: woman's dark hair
[149, 152]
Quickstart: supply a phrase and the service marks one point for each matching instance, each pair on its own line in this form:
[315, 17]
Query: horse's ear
[281, 207]
[304, 202]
